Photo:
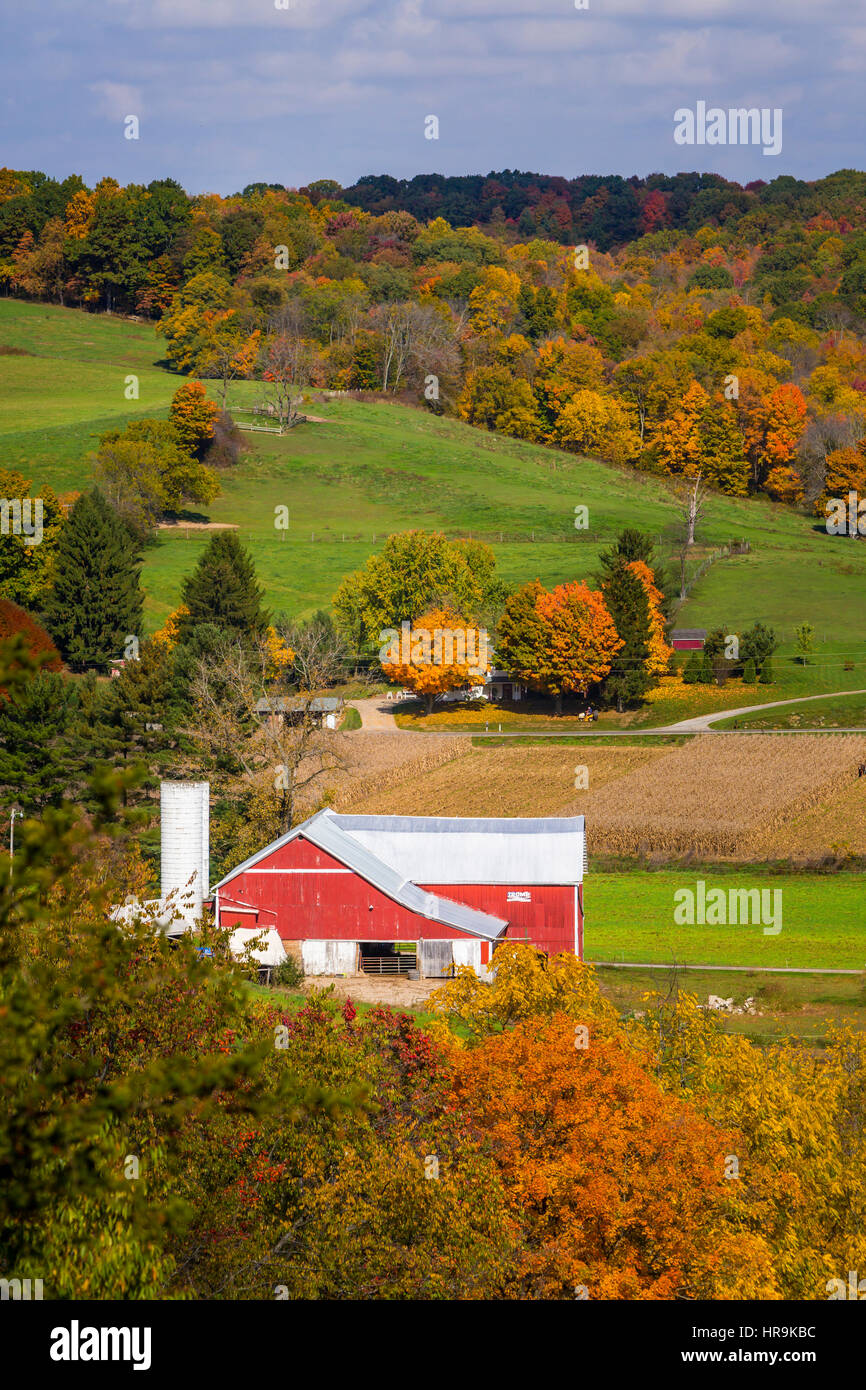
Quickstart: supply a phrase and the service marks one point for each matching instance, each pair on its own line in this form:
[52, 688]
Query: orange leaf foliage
[615, 1183]
[580, 638]
[659, 652]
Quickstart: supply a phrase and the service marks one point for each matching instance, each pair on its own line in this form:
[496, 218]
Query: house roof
[689, 632]
[294, 704]
[325, 830]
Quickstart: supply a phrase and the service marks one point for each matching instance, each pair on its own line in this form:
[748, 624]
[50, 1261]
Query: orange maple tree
[578, 640]
[438, 663]
[616, 1184]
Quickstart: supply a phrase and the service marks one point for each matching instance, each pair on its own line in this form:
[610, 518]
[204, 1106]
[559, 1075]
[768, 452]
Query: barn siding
[314, 897]
[326, 901]
[546, 921]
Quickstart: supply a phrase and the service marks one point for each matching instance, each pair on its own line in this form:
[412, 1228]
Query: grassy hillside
[373, 468]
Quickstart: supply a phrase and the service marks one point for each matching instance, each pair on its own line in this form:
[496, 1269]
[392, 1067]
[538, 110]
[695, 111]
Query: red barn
[351, 891]
[688, 639]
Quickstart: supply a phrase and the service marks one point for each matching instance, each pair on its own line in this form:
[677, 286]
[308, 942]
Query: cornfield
[719, 795]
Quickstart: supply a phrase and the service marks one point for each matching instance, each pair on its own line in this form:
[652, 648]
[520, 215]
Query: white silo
[185, 847]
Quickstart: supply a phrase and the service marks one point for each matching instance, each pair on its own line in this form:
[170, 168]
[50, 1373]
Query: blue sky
[228, 92]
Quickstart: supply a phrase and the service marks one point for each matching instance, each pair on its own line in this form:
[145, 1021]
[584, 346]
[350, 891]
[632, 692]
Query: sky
[230, 92]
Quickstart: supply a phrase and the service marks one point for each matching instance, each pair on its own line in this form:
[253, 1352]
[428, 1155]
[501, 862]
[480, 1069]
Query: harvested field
[836, 826]
[374, 762]
[720, 796]
[517, 781]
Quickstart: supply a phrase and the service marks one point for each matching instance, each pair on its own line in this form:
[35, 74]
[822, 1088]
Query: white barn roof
[434, 849]
[398, 852]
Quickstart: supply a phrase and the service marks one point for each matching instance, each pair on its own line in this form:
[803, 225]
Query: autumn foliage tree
[561, 642]
[443, 655]
[193, 416]
[614, 1183]
[575, 641]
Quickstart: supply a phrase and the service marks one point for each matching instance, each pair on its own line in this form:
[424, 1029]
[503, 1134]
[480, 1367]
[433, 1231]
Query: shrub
[289, 974]
[692, 672]
[765, 675]
[750, 673]
[15, 620]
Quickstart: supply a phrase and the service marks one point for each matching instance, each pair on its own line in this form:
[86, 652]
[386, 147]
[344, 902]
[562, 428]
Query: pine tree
[95, 602]
[692, 670]
[626, 598]
[222, 590]
[750, 674]
[40, 757]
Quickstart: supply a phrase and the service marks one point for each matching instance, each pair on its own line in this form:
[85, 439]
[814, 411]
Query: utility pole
[20, 815]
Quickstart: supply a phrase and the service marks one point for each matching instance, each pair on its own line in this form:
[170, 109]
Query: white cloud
[117, 99]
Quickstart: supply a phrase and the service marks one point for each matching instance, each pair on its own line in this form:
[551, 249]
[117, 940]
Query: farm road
[702, 722]
[377, 715]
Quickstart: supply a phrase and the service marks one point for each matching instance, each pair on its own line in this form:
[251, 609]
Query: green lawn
[844, 712]
[374, 468]
[803, 1007]
[630, 917]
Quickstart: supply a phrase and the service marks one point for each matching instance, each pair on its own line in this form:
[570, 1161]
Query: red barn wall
[546, 921]
[320, 899]
[327, 902]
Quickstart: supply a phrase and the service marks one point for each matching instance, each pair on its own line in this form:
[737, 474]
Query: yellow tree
[597, 426]
[441, 654]
[659, 652]
[679, 440]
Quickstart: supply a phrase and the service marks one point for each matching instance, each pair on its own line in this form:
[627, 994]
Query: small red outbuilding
[349, 889]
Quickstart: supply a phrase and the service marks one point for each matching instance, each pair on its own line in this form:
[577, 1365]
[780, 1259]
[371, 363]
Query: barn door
[468, 953]
[436, 958]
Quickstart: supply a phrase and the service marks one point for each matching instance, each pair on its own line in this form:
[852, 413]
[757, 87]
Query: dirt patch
[372, 989]
[197, 526]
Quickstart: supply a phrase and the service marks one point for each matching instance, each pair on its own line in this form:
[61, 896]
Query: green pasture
[802, 1007]
[374, 468]
[839, 712]
[630, 917]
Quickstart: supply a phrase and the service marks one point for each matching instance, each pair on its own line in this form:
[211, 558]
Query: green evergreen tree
[708, 674]
[632, 544]
[222, 590]
[40, 758]
[750, 674]
[765, 675]
[692, 670]
[133, 720]
[628, 680]
[95, 602]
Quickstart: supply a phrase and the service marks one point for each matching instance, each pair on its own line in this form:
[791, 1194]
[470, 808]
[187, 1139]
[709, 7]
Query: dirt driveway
[377, 714]
[372, 989]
